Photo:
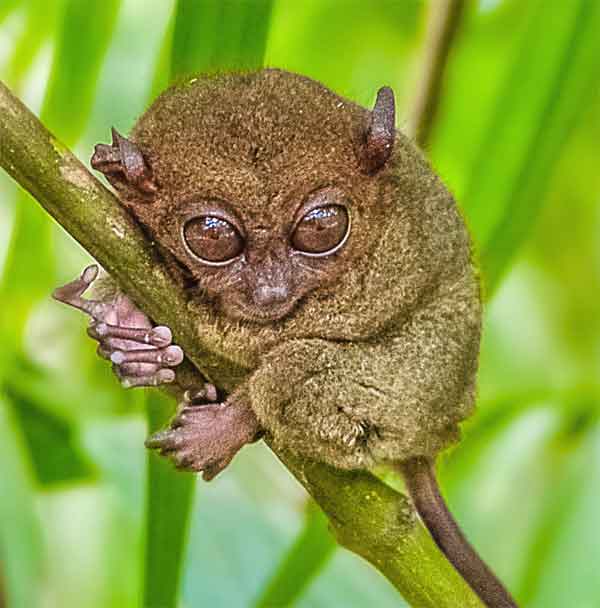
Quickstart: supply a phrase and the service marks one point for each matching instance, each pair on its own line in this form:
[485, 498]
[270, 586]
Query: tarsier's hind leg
[142, 355]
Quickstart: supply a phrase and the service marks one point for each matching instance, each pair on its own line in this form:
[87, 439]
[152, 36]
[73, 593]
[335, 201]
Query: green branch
[366, 516]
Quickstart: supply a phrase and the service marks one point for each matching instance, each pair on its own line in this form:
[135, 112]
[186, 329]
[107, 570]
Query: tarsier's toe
[165, 441]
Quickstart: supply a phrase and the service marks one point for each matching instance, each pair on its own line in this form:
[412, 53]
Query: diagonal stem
[445, 18]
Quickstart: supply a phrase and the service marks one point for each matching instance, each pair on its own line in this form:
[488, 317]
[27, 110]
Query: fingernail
[90, 273]
[165, 376]
[160, 336]
[117, 357]
[173, 355]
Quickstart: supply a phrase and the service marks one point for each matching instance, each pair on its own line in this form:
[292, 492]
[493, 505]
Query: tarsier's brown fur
[377, 361]
[365, 355]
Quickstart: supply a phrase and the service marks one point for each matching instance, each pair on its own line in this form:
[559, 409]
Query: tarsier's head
[261, 186]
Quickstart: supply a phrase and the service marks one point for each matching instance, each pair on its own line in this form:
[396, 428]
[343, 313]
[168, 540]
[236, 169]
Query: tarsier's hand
[204, 436]
[142, 355]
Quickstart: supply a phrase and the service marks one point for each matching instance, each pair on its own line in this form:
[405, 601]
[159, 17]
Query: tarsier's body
[333, 261]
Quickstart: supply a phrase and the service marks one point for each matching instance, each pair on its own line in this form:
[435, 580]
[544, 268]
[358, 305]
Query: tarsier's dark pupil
[321, 229]
[212, 239]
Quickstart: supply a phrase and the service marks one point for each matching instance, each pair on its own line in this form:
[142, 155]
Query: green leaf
[20, 538]
[569, 504]
[213, 35]
[86, 33]
[29, 271]
[56, 457]
[169, 499]
[306, 558]
[29, 275]
[7, 7]
[556, 68]
[41, 18]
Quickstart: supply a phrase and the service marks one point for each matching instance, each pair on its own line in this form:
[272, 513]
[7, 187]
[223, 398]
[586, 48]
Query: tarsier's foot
[142, 355]
[206, 437]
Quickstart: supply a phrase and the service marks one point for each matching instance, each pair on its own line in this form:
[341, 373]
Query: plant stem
[366, 516]
[445, 18]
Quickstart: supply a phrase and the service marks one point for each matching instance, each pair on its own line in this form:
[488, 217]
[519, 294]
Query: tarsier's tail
[419, 474]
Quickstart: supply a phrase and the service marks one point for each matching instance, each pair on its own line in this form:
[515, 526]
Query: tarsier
[320, 238]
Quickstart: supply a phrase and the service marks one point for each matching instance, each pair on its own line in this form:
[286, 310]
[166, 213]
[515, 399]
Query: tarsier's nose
[271, 284]
[266, 295]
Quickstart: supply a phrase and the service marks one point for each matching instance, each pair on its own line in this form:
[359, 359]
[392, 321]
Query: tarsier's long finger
[71, 293]
[165, 441]
[136, 369]
[159, 336]
[162, 376]
[171, 356]
[144, 367]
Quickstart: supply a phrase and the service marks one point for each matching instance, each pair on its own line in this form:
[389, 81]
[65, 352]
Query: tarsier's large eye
[322, 230]
[212, 239]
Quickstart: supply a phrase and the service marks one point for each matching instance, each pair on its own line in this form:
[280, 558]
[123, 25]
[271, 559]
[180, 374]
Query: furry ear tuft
[378, 138]
[124, 165]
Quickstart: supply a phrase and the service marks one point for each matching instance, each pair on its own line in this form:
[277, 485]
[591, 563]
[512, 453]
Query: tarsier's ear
[378, 138]
[124, 165]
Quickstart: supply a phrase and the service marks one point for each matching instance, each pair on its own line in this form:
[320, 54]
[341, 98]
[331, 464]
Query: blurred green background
[517, 139]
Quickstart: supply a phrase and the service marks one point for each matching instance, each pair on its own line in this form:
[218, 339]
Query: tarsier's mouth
[246, 311]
